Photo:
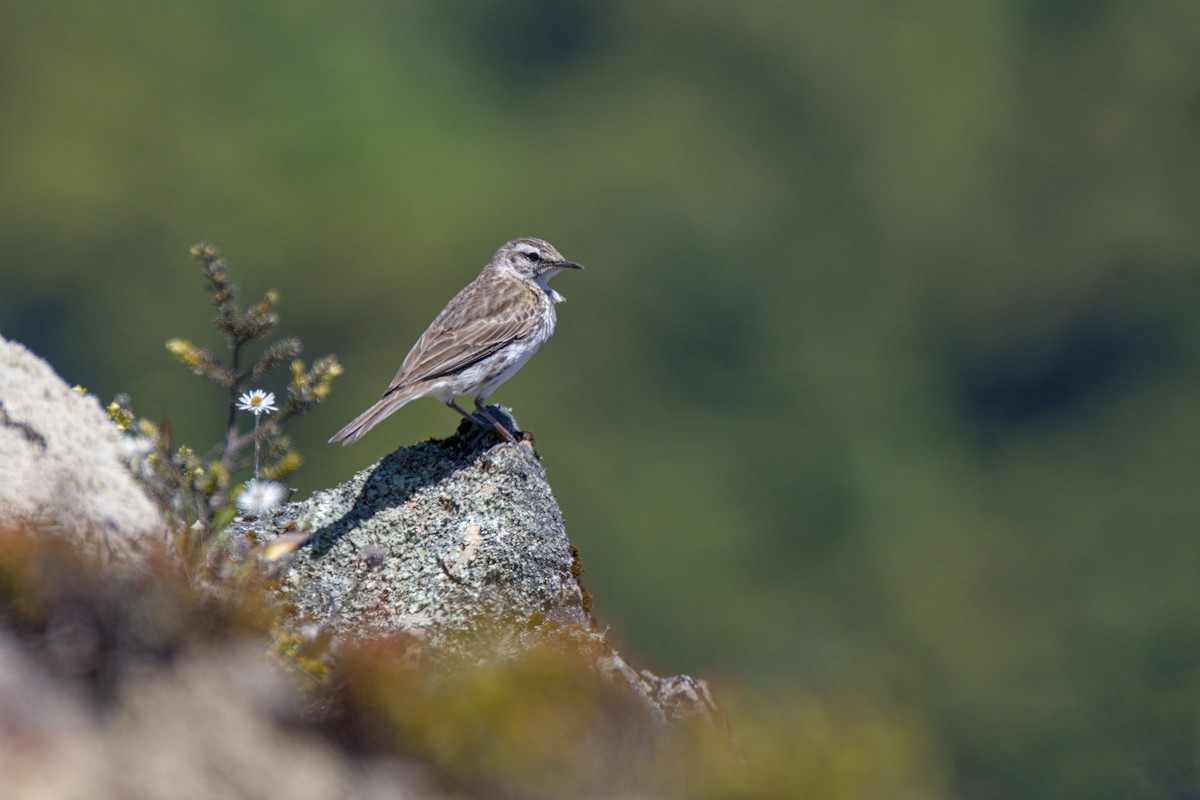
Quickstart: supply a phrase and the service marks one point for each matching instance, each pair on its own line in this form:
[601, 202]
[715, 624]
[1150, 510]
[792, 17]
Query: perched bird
[482, 337]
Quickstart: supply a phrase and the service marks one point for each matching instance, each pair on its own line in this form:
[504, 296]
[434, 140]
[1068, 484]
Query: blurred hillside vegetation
[882, 379]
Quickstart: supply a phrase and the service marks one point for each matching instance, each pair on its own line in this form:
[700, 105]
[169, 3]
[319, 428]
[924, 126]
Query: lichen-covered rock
[458, 544]
[439, 540]
[63, 464]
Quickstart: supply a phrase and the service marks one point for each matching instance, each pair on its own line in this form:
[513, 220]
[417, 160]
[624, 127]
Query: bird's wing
[487, 315]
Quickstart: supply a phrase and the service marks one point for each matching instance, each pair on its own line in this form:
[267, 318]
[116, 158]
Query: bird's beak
[568, 265]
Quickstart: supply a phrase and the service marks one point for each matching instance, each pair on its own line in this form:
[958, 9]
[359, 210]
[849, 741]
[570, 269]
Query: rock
[64, 466]
[455, 542]
[435, 540]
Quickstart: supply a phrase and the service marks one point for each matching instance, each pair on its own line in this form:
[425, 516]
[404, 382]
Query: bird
[480, 339]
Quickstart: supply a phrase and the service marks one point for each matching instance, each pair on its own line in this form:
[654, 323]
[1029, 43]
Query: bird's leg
[496, 426]
[503, 431]
[471, 417]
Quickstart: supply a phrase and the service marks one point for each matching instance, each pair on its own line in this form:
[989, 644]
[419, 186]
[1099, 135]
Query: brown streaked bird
[482, 337]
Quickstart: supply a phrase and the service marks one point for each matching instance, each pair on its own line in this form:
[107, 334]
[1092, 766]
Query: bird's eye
[534, 255]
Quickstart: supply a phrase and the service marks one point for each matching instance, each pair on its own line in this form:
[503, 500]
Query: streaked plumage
[480, 339]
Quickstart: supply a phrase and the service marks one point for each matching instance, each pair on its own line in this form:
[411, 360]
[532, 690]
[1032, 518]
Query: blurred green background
[882, 380]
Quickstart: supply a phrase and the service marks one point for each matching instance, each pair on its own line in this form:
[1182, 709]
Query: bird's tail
[373, 416]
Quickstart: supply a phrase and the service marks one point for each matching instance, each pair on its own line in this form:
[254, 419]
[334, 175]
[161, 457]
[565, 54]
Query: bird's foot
[503, 424]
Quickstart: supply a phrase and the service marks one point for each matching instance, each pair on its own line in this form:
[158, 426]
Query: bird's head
[533, 259]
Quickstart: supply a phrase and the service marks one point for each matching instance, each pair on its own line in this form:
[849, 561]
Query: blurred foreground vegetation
[881, 382]
[540, 724]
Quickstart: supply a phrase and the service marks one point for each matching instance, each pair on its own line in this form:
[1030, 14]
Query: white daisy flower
[259, 497]
[257, 401]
